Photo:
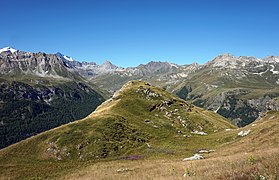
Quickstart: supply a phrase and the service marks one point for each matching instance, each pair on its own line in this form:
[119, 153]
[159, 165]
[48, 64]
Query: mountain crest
[8, 49]
[108, 65]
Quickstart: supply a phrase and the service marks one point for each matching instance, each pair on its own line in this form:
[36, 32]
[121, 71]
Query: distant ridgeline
[37, 86]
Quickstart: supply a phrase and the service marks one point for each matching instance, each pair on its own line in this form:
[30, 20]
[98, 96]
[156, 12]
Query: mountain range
[238, 88]
[71, 116]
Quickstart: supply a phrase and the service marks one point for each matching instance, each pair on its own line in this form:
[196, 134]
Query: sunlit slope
[140, 121]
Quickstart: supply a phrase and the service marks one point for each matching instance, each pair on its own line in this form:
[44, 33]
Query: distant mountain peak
[159, 64]
[108, 65]
[107, 62]
[225, 56]
[8, 49]
[68, 58]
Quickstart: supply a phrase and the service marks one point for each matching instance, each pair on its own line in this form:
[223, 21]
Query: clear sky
[131, 32]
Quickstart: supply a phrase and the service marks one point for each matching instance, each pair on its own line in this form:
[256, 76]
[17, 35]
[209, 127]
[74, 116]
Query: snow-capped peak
[68, 58]
[8, 49]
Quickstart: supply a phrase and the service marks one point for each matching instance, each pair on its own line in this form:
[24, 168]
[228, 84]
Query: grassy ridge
[139, 122]
[133, 126]
[254, 156]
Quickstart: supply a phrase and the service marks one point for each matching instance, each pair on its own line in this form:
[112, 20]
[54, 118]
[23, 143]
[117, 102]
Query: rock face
[14, 62]
[38, 64]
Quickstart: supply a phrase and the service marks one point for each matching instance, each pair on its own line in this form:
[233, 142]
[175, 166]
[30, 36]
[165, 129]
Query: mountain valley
[61, 118]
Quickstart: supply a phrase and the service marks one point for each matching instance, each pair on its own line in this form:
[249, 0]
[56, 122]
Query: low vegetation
[145, 132]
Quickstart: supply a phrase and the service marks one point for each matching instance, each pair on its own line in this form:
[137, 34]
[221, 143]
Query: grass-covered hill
[140, 122]
[253, 156]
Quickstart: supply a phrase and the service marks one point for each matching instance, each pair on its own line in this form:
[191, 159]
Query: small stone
[195, 157]
[244, 133]
[147, 121]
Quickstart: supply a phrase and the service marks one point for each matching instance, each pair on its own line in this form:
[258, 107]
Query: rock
[199, 133]
[244, 133]
[122, 170]
[202, 151]
[79, 146]
[195, 157]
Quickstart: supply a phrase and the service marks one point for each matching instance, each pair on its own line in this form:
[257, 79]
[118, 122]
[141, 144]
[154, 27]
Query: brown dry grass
[255, 165]
[255, 156]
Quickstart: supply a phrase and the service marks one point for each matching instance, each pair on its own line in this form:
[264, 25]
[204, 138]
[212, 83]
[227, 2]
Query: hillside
[254, 156]
[139, 122]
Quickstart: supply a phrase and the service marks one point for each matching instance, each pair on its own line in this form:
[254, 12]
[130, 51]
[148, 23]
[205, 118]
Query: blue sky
[131, 32]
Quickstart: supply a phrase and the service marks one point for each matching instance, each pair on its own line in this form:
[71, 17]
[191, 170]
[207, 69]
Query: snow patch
[261, 73]
[272, 70]
[173, 65]
[8, 49]
[68, 58]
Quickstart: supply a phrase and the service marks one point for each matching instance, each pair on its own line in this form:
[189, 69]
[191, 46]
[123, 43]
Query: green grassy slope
[254, 156]
[140, 121]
